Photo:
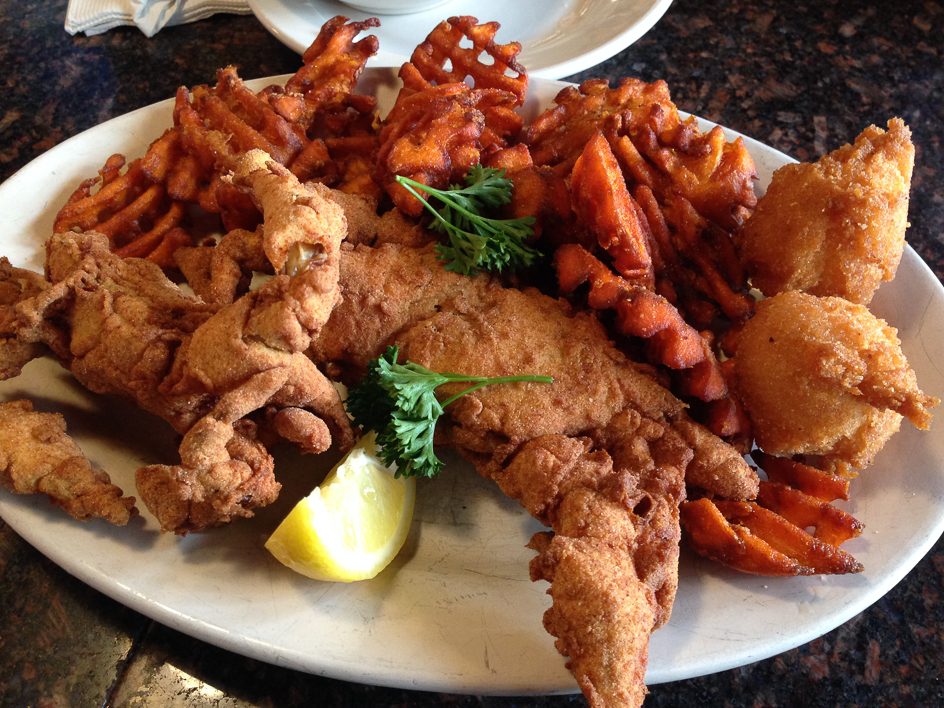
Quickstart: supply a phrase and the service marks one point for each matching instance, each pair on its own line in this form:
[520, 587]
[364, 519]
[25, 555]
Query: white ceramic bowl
[394, 7]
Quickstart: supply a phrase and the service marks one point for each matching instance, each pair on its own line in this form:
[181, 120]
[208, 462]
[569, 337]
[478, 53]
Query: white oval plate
[557, 38]
[456, 611]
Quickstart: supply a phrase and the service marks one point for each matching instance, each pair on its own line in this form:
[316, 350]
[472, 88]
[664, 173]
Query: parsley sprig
[477, 242]
[398, 402]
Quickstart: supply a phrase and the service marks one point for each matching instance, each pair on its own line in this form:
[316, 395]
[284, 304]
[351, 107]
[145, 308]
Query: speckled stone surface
[802, 77]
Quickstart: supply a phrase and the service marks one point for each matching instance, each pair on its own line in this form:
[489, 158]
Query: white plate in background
[456, 611]
[558, 38]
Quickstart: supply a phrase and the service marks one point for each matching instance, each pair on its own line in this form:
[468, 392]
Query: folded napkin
[97, 16]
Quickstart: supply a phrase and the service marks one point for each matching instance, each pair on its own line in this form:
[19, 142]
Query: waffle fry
[752, 539]
[428, 64]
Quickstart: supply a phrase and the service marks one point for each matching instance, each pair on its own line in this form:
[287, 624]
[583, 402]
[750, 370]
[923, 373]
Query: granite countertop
[802, 77]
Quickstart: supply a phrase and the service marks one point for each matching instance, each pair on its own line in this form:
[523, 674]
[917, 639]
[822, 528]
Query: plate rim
[568, 67]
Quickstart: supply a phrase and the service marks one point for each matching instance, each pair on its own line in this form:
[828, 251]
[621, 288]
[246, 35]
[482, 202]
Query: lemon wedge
[353, 525]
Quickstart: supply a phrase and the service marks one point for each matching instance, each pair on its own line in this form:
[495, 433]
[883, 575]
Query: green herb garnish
[398, 402]
[477, 242]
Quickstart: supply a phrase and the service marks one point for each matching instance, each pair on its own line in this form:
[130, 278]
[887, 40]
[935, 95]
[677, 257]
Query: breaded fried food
[836, 226]
[37, 457]
[824, 376]
[600, 455]
[16, 285]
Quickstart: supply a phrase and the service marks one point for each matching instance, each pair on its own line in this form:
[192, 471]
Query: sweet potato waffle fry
[693, 188]
[442, 60]
[331, 67]
[436, 135]
[143, 209]
[440, 125]
[770, 536]
[642, 313]
[134, 212]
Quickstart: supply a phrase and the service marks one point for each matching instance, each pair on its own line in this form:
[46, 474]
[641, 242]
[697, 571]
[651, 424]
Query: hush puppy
[835, 226]
[823, 376]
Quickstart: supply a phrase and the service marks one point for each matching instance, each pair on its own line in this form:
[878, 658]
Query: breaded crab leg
[37, 457]
[250, 354]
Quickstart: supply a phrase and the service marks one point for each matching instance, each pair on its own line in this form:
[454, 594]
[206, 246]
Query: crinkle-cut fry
[85, 211]
[333, 62]
[557, 137]
[643, 313]
[821, 485]
[832, 525]
[602, 200]
[428, 64]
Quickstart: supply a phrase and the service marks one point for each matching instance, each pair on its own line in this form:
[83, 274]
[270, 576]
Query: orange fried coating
[218, 123]
[602, 200]
[642, 313]
[829, 523]
[813, 482]
[824, 376]
[789, 529]
[752, 539]
[557, 137]
[332, 65]
[689, 190]
[835, 227]
[129, 207]
[436, 135]
[440, 126]
[37, 457]
[441, 59]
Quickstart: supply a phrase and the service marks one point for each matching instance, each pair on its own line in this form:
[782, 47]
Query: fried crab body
[835, 227]
[216, 373]
[249, 355]
[595, 455]
[823, 376]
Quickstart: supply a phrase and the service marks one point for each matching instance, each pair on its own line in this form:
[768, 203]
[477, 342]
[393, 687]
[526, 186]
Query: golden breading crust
[824, 376]
[37, 457]
[836, 226]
